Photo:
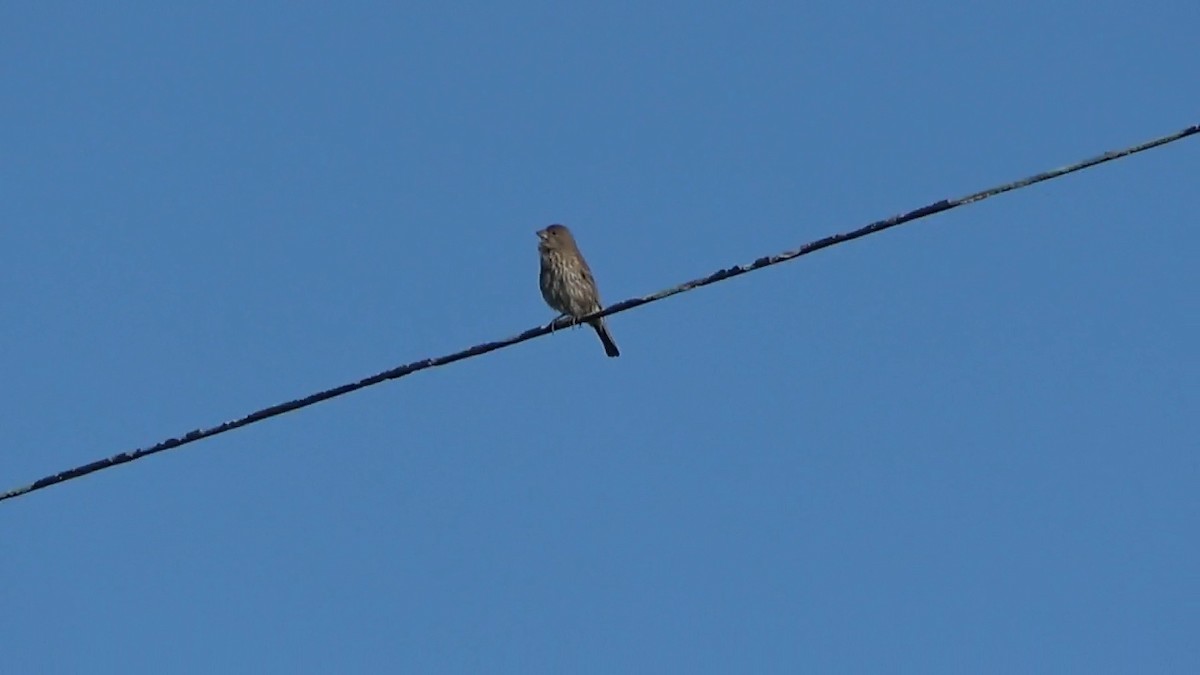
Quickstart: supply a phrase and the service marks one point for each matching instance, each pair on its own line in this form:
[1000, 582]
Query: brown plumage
[567, 283]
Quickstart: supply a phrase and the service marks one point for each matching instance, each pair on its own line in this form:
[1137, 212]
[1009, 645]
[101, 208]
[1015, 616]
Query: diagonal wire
[484, 348]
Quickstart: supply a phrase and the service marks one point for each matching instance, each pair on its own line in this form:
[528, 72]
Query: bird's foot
[558, 322]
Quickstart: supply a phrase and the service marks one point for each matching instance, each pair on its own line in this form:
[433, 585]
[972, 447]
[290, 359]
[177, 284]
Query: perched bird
[567, 283]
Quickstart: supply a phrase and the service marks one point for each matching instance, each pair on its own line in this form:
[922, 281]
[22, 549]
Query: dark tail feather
[610, 347]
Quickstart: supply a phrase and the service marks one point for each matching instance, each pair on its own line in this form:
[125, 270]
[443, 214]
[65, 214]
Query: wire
[480, 349]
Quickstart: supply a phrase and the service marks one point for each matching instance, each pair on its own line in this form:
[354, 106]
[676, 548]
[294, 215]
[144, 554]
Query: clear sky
[969, 444]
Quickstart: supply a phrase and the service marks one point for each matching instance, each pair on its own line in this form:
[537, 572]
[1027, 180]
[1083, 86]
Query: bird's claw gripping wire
[554, 325]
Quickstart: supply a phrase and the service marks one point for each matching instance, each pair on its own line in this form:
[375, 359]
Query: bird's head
[555, 237]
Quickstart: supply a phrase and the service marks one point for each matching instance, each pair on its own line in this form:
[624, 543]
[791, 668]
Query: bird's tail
[610, 347]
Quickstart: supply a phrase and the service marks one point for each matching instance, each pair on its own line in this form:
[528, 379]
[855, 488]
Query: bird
[567, 282]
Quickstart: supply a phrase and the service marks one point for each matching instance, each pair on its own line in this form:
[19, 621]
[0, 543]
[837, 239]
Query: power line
[477, 350]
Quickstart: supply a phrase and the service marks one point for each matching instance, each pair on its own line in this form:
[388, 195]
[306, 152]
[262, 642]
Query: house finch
[567, 283]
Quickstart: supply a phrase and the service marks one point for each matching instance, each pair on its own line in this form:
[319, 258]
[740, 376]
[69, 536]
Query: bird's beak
[541, 234]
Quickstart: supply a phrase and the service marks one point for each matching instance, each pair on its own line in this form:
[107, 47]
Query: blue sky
[965, 445]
